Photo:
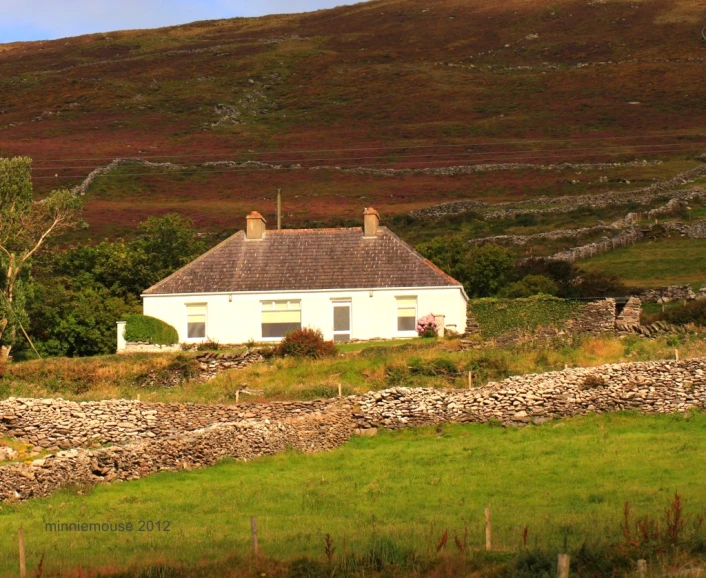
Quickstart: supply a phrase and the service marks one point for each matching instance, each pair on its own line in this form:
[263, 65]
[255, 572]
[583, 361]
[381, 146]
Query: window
[406, 313]
[195, 320]
[341, 320]
[280, 317]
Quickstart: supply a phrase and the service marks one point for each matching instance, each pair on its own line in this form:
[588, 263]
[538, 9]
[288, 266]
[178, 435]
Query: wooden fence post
[642, 567]
[21, 540]
[563, 564]
[253, 534]
[340, 390]
[470, 380]
[676, 354]
[488, 531]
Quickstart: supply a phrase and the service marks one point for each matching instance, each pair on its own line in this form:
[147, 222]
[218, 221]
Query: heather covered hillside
[400, 84]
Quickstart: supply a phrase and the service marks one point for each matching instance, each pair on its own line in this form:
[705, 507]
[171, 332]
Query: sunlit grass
[567, 478]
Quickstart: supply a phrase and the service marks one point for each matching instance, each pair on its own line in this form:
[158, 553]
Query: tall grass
[359, 368]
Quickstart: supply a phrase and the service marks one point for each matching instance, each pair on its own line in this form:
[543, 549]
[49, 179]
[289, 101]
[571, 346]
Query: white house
[352, 283]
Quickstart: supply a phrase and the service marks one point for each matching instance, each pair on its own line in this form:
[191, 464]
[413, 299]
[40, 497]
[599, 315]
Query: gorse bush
[145, 328]
[306, 342]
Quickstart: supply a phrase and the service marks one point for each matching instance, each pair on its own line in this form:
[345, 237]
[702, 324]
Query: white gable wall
[236, 317]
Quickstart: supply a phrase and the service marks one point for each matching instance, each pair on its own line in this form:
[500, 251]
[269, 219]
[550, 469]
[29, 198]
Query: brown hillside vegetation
[386, 83]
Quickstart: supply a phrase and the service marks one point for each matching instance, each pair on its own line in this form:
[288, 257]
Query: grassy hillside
[386, 83]
[359, 368]
[396, 494]
[673, 261]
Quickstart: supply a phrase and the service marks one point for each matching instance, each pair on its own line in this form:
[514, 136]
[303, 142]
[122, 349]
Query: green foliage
[596, 283]
[25, 225]
[692, 312]
[146, 328]
[306, 342]
[75, 317]
[489, 269]
[499, 316]
[530, 285]
[129, 267]
[449, 253]
[80, 293]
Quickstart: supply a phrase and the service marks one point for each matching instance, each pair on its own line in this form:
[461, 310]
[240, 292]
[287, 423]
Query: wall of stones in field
[242, 440]
[648, 387]
[247, 431]
[62, 424]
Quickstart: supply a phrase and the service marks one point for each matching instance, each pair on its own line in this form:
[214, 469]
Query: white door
[341, 321]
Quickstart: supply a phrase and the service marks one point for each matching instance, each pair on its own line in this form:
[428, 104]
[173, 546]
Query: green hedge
[145, 328]
[497, 317]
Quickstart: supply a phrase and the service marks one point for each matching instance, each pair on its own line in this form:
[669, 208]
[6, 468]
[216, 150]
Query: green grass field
[655, 263]
[562, 480]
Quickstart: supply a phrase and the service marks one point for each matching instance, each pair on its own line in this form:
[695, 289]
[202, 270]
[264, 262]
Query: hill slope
[387, 83]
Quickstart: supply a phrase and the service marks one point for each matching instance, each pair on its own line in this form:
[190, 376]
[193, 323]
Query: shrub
[692, 312]
[208, 345]
[426, 326]
[306, 342]
[145, 328]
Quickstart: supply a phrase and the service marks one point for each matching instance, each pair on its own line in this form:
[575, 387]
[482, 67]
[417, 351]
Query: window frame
[342, 301]
[398, 306]
[273, 302]
[204, 305]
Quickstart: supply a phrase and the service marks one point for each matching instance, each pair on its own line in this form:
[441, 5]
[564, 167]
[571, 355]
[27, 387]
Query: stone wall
[245, 432]
[649, 387]
[594, 317]
[698, 230]
[624, 239]
[242, 440]
[671, 293]
[591, 317]
[62, 424]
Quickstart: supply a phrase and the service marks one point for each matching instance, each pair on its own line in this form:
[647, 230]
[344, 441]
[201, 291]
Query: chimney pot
[371, 222]
[255, 226]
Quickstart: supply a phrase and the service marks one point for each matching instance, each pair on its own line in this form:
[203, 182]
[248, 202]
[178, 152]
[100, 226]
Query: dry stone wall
[247, 432]
[242, 440]
[62, 424]
[649, 387]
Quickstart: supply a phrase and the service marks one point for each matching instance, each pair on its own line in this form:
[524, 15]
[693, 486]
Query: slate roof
[305, 259]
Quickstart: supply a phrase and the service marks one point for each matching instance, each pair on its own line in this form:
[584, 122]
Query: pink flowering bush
[426, 326]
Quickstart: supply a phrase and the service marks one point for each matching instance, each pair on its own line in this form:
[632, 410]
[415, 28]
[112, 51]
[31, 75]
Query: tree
[489, 269]
[528, 286]
[449, 253]
[25, 225]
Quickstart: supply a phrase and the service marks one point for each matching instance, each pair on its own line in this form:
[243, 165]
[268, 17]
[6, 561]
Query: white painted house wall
[236, 317]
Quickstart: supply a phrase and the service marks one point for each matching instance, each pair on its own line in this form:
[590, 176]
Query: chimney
[371, 222]
[255, 226]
